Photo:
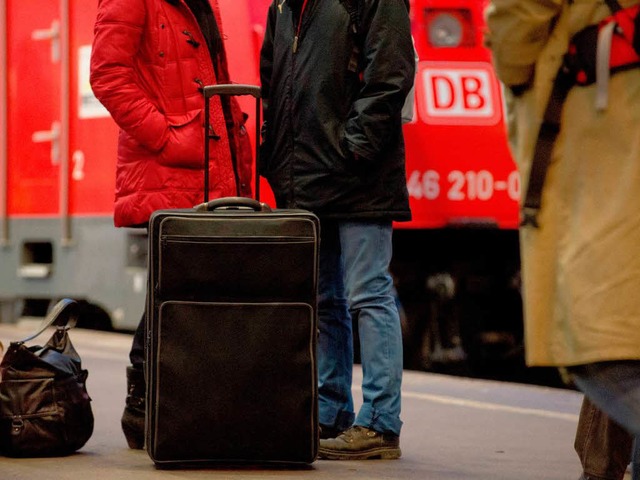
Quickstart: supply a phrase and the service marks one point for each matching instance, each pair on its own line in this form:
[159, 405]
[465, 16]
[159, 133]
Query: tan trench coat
[581, 268]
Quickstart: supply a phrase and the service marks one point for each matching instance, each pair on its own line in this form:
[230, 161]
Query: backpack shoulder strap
[613, 5]
[353, 9]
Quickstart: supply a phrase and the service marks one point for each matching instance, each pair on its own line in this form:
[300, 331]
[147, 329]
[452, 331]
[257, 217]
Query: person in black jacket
[335, 75]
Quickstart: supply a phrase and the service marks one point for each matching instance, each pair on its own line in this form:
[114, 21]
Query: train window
[137, 248]
[36, 260]
[449, 27]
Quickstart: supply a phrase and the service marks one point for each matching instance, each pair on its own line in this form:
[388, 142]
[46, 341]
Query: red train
[456, 263]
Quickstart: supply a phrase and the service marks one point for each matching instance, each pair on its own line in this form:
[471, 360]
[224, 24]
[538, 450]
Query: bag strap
[550, 126]
[613, 5]
[547, 135]
[353, 9]
[55, 316]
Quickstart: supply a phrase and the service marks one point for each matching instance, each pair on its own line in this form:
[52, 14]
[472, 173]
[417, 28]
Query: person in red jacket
[149, 62]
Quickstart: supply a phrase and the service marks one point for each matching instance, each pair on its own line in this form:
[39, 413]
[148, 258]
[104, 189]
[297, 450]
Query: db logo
[459, 93]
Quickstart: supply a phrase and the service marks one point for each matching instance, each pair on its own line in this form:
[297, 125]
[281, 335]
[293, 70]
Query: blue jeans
[354, 282]
[614, 387]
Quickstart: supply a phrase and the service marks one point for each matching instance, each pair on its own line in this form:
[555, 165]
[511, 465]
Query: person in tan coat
[581, 263]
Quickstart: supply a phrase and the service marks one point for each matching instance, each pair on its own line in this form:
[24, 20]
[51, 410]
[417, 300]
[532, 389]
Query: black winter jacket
[333, 139]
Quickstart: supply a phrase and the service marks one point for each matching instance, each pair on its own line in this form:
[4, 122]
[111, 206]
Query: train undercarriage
[459, 292]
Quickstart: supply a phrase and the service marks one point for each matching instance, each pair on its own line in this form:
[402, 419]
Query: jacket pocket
[350, 163]
[185, 146]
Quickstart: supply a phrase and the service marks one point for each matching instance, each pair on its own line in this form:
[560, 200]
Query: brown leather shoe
[360, 443]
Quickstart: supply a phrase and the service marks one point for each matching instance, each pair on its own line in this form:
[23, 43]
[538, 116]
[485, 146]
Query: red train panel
[32, 176]
[459, 168]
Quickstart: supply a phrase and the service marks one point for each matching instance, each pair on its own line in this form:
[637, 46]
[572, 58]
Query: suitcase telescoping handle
[233, 203]
[233, 90]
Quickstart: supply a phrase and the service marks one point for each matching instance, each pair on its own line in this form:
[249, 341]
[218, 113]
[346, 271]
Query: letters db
[459, 93]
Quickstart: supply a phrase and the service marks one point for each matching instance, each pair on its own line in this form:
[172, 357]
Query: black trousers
[136, 355]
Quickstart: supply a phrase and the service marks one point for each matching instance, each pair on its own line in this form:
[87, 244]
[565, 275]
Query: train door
[34, 144]
[92, 132]
[58, 173]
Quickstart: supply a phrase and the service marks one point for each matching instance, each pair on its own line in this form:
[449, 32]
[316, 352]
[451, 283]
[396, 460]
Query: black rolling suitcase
[231, 331]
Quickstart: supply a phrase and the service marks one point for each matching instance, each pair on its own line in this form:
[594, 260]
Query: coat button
[161, 54]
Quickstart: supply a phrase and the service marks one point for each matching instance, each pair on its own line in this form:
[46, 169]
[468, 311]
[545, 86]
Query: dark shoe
[327, 432]
[133, 416]
[359, 443]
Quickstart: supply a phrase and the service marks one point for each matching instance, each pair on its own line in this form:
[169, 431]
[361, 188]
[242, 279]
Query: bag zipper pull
[17, 424]
[295, 44]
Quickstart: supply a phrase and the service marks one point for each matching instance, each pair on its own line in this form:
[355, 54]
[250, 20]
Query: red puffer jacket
[148, 62]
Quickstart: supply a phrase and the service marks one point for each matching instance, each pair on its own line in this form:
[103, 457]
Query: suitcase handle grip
[233, 203]
[231, 89]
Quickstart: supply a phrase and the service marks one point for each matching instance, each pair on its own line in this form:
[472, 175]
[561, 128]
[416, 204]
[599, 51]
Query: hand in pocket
[185, 147]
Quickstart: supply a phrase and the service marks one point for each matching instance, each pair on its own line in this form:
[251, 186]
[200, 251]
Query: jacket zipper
[296, 42]
[296, 38]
